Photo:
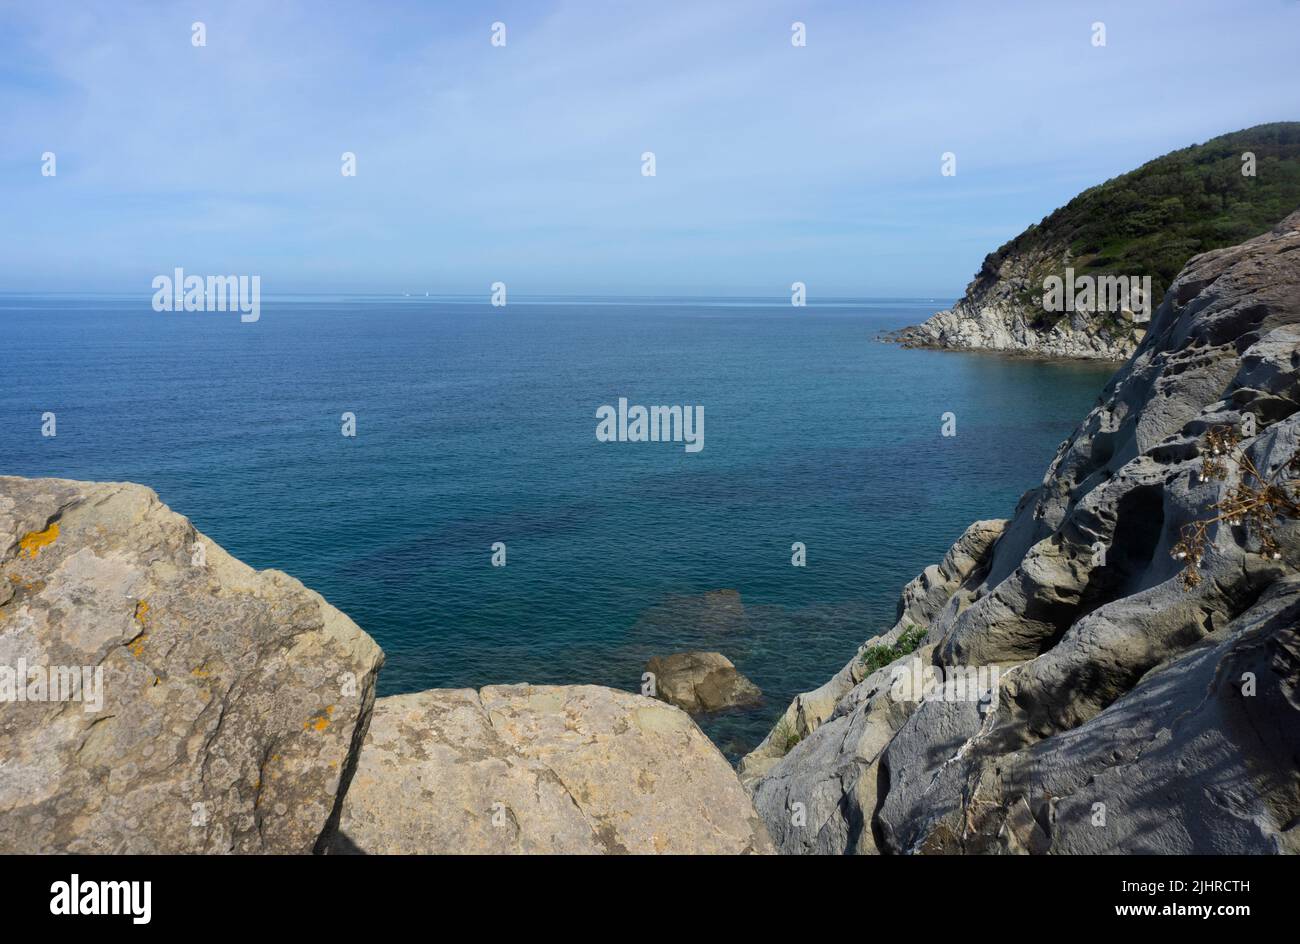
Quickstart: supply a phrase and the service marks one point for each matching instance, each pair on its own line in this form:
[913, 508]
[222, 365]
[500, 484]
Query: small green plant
[877, 657]
[784, 736]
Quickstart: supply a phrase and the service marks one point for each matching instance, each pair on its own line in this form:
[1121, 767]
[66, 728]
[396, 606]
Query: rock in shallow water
[554, 769]
[701, 681]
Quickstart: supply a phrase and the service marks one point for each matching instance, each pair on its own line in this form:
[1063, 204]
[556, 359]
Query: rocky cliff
[1144, 224]
[1117, 667]
[159, 696]
[1002, 311]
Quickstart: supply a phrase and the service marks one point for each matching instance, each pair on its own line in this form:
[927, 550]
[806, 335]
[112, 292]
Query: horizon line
[91, 293]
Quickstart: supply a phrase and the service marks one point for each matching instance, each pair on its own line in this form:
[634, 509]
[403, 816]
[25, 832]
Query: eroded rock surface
[233, 700]
[553, 769]
[924, 597]
[1130, 714]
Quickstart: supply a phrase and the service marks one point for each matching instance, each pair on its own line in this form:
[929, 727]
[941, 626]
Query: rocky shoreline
[915, 338]
[237, 714]
[1120, 244]
[1117, 670]
[997, 325]
[1147, 693]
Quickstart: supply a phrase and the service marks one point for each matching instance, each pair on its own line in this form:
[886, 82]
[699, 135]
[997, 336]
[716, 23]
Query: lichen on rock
[215, 678]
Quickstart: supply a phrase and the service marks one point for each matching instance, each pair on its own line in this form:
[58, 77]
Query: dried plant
[1257, 502]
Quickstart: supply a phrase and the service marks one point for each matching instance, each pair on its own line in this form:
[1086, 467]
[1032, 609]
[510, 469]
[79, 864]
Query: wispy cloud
[522, 163]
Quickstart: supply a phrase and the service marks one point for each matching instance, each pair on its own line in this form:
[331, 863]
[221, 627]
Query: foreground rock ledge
[551, 769]
[234, 700]
[234, 704]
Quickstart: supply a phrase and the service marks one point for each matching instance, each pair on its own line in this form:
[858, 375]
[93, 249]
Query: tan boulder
[183, 702]
[701, 681]
[550, 769]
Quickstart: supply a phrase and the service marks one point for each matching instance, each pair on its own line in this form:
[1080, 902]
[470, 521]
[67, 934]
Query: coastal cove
[474, 425]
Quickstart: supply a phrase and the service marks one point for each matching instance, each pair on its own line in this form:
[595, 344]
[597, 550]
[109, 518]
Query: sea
[476, 526]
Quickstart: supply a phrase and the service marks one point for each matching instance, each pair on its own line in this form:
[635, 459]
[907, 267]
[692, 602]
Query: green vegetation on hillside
[1150, 221]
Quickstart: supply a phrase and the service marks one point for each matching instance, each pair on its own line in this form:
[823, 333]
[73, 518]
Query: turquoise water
[477, 425]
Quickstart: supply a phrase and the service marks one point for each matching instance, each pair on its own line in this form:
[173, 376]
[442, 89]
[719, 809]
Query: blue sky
[522, 164]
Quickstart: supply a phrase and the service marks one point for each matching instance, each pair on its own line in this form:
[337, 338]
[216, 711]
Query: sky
[522, 163]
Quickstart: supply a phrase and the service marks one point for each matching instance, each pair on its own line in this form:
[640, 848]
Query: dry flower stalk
[1257, 502]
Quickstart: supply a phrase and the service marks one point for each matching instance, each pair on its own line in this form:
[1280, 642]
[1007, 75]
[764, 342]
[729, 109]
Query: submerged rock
[701, 681]
[723, 601]
[553, 769]
[698, 621]
[219, 709]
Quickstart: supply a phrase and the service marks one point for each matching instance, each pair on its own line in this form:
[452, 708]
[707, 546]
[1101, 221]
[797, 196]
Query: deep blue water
[477, 424]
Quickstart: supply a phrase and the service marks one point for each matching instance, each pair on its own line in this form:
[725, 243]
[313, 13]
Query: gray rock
[924, 597]
[1119, 723]
[818, 794]
[233, 700]
[554, 769]
[1186, 762]
[994, 320]
[994, 314]
[701, 681]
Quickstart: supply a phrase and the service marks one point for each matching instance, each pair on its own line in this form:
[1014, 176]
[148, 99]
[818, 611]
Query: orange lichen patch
[35, 541]
[200, 672]
[142, 610]
[320, 722]
[137, 646]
